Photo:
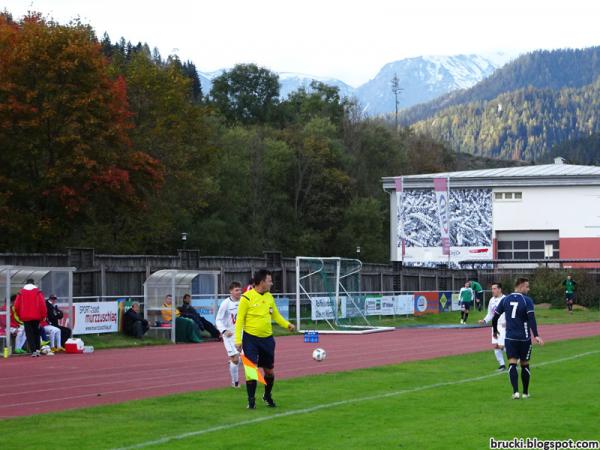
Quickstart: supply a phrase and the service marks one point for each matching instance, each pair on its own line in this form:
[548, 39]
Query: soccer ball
[319, 354]
[45, 350]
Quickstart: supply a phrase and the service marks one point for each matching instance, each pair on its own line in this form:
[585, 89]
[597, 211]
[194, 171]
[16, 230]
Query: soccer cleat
[35, 354]
[235, 385]
[269, 401]
[525, 396]
[60, 349]
[49, 353]
[462, 322]
[502, 368]
[251, 403]
[516, 396]
[19, 351]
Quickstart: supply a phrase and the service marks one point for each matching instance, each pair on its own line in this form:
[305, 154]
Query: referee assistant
[256, 310]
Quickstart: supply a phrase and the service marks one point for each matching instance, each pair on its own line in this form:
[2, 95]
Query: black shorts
[479, 296]
[261, 351]
[518, 349]
[569, 296]
[466, 306]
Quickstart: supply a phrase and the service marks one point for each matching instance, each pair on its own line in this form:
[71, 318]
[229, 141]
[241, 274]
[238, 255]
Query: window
[537, 245]
[505, 245]
[509, 196]
[505, 255]
[526, 245]
[521, 245]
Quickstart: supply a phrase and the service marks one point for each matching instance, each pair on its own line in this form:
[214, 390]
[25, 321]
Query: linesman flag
[251, 371]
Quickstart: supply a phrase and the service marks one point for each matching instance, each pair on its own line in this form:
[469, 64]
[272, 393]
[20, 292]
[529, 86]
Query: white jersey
[494, 302]
[227, 315]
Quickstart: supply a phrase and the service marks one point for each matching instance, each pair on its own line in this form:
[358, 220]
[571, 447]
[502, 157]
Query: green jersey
[476, 286]
[569, 286]
[466, 295]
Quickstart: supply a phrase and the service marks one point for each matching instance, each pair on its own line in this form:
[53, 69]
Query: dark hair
[520, 281]
[30, 281]
[499, 285]
[260, 276]
[186, 296]
[234, 284]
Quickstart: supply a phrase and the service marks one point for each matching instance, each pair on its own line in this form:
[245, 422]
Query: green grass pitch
[454, 402]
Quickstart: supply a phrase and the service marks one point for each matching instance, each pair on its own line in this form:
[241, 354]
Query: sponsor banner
[322, 308]
[206, 307]
[445, 299]
[426, 303]
[404, 305]
[401, 247]
[387, 305]
[455, 301]
[373, 305]
[427, 254]
[283, 306]
[441, 196]
[95, 317]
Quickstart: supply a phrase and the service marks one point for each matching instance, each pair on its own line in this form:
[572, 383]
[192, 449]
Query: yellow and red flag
[251, 371]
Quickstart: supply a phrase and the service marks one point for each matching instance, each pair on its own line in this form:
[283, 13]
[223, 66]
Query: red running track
[30, 385]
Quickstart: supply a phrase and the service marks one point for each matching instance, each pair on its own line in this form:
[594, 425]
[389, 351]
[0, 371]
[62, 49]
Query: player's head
[235, 290]
[496, 289]
[569, 277]
[187, 298]
[168, 299]
[522, 285]
[136, 307]
[263, 280]
[468, 284]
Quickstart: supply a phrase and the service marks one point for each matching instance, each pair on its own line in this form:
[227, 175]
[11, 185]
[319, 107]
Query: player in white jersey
[498, 343]
[226, 317]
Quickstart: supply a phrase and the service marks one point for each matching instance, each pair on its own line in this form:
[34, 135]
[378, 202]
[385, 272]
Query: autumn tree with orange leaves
[66, 158]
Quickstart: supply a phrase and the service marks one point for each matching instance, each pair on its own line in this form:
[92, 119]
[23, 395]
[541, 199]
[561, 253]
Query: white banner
[442, 200]
[97, 317]
[420, 254]
[404, 305]
[322, 308]
[379, 306]
[387, 305]
[455, 300]
[401, 247]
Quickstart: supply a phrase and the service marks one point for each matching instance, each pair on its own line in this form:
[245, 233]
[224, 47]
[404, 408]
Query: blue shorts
[518, 349]
[569, 296]
[466, 306]
[261, 351]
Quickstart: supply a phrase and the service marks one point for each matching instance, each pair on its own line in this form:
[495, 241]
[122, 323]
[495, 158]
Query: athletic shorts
[466, 306]
[501, 336]
[479, 296]
[518, 349]
[569, 296]
[229, 343]
[261, 351]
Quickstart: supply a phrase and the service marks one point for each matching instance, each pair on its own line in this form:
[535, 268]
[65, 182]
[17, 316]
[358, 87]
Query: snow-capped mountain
[424, 78]
[290, 82]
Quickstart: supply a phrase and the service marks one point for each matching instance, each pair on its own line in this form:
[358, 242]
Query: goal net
[328, 296]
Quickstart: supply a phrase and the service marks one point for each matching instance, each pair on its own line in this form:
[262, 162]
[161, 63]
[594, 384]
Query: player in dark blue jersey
[520, 324]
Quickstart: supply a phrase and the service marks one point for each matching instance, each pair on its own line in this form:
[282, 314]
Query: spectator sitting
[54, 316]
[166, 311]
[16, 327]
[186, 330]
[133, 322]
[53, 334]
[207, 329]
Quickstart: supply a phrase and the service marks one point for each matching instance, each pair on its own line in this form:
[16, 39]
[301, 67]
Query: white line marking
[294, 412]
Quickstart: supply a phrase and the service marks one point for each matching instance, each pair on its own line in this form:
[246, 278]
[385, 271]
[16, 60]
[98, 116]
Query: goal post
[328, 296]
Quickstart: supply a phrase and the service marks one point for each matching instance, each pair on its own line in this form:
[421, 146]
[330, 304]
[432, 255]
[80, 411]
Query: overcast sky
[350, 40]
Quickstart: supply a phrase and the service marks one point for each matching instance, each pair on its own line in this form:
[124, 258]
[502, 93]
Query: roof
[540, 175]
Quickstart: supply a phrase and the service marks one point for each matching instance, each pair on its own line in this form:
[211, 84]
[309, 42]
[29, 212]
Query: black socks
[270, 379]
[251, 388]
[514, 377]
[525, 375]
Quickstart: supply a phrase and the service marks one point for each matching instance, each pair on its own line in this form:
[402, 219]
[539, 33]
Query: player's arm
[220, 319]
[241, 320]
[497, 314]
[533, 323]
[489, 316]
[279, 319]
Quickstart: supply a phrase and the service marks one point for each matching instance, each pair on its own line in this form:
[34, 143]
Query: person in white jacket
[498, 343]
[226, 317]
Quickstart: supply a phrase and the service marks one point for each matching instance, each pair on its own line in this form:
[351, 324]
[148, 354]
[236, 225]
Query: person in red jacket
[30, 306]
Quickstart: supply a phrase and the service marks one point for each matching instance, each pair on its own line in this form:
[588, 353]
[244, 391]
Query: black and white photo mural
[418, 227]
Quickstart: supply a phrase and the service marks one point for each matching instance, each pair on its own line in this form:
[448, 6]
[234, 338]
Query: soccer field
[452, 402]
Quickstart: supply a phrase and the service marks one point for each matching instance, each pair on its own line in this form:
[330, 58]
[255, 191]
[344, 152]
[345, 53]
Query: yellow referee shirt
[255, 313]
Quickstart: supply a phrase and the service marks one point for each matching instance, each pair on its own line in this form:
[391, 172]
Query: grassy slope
[563, 405]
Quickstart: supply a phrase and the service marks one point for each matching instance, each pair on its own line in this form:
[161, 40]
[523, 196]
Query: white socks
[234, 371]
[499, 356]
